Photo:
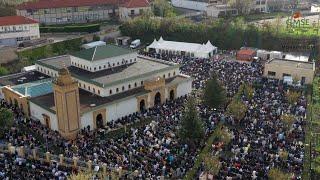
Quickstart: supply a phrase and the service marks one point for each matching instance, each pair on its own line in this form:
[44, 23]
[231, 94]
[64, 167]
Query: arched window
[122, 88]
[135, 84]
[84, 86]
[79, 84]
[104, 66]
[129, 86]
[98, 91]
[164, 76]
[89, 88]
[95, 69]
[99, 67]
[117, 90]
[94, 90]
[169, 74]
[174, 73]
[141, 82]
[118, 63]
[110, 92]
[113, 64]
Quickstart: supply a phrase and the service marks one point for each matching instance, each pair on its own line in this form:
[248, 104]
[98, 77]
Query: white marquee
[183, 48]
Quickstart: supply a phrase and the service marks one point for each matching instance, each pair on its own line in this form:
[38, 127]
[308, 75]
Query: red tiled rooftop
[15, 20]
[246, 51]
[136, 3]
[42, 4]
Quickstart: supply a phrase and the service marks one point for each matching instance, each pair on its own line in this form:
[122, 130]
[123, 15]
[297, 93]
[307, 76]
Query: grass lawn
[261, 16]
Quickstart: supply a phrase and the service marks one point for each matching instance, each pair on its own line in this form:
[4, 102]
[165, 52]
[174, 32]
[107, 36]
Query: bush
[79, 28]
[3, 71]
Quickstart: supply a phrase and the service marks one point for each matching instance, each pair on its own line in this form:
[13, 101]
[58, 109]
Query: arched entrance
[142, 105]
[99, 121]
[157, 99]
[171, 95]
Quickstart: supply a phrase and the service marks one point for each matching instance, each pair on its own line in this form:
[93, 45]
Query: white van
[134, 44]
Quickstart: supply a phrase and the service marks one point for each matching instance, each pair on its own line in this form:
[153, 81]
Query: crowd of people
[154, 149]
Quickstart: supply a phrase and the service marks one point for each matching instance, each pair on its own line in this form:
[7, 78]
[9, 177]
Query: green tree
[3, 71]
[214, 94]
[212, 164]
[191, 127]
[162, 8]
[237, 109]
[277, 174]
[6, 120]
[292, 96]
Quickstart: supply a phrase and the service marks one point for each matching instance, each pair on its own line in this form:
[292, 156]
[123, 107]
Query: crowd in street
[154, 149]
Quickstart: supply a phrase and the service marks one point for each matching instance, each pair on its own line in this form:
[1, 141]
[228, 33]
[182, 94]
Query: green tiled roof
[34, 89]
[101, 52]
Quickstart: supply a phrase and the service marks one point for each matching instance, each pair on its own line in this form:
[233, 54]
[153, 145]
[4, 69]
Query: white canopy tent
[182, 48]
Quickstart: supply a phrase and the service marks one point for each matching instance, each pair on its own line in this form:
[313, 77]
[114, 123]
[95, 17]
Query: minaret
[67, 104]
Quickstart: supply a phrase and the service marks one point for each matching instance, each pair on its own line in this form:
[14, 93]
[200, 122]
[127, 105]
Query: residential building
[299, 70]
[16, 29]
[80, 11]
[92, 87]
[133, 8]
[220, 10]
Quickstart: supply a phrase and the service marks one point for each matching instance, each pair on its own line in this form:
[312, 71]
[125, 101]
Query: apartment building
[16, 29]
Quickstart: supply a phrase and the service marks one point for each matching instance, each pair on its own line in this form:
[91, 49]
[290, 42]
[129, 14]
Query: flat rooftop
[87, 99]
[22, 78]
[291, 63]
[142, 67]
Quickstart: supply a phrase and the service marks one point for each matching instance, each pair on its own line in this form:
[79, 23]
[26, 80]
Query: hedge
[79, 28]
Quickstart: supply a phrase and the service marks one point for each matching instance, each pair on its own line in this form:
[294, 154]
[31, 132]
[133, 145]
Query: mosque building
[92, 87]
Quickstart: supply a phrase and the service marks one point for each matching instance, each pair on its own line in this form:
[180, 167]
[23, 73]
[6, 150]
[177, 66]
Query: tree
[237, 109]
[162, 8]
[287, 120]
[3, 71]
[191, 128]
[6, 120]
[212, 164]
[292, 96]
[243, 6]
[277, 174]
[81, 176]
[214, 94]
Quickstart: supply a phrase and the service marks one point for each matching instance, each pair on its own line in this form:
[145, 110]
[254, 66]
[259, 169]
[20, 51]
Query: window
[94, 90]
[164, 76]
[271, 73]
[174, 73]
[84, 86]
[141, 82]
[104, 66]
[79, 84]
[122, 88]
[117, 90]
[89, 88]
[118, 63]
[99, 67]
[140, 11]
[129, 86]
[110, 92]
[132, 12]
[135, 84]
[113, 64]
[95, 69]
[130, 60]
[169, 74]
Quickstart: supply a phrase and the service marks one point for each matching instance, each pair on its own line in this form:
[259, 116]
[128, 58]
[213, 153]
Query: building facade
[80, 11]
[133, 8]
[297, 70]
[16, 29]
[71, 97]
